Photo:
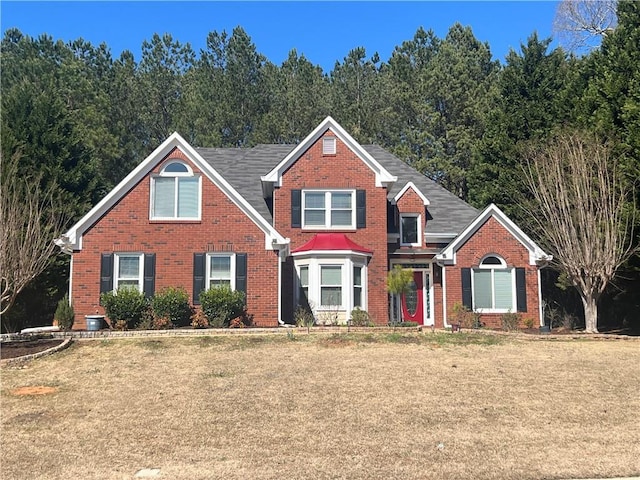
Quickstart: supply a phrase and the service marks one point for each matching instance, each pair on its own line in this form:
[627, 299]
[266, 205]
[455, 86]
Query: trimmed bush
[173, 304]
[221, 305]
[65, 315]
[125, 308]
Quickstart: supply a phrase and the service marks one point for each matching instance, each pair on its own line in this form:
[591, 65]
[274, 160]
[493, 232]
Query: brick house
[319, 224]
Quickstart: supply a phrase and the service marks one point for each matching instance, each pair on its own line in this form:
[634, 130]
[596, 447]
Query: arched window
[175, 193]
[493, 285]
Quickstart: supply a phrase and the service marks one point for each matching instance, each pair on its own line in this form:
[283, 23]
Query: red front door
[412, 306]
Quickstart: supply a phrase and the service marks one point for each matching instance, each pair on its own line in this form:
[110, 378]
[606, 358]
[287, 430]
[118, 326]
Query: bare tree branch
[30, 218]
[581, 24]
[581, 210]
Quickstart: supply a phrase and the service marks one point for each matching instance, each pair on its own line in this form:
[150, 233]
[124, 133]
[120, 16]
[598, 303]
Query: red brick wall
[223, 227]
[342, 170]
[492, 237]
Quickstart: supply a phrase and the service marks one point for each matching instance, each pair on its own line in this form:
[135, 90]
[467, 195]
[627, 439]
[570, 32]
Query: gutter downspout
[444, 295]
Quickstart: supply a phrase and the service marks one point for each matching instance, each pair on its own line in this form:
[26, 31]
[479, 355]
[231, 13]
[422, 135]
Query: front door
[413, 301]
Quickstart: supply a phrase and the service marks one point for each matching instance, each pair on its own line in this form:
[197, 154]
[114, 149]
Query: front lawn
[356, 406]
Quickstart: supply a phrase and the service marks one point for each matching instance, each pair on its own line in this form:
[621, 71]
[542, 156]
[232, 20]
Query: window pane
[357, 275]
[482, 289]
[330, 296]
[220, 267]
[188, 197]
[314, 200]
[127, 285]
[219, 283]
[176, 167]
[304, 276]
[314, 217]
[503, 285]
[409, 229]
[331, 275]
[341, 200]
[357, 297]
[129, 267]
[341, 218]
[164, 197]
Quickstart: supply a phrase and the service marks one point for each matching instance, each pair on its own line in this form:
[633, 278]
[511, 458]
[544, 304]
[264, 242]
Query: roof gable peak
[383, 177]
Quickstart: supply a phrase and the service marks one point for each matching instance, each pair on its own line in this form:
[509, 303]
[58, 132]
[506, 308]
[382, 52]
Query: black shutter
[521, 290]
[199, 272]
[466, 288]
[241, 273]
[361, 208]
[296, 208]
[106, 273]
[149, 285]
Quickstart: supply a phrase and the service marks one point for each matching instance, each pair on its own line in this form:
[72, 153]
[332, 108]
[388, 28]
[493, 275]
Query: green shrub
[221, 305]
[528, 322]
[65, 315]
[172, 303]
[360, 318]
[510, 321]
[408, 324]
[125, 308]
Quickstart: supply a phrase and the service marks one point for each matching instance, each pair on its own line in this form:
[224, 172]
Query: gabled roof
[447, 215]
[72, 239]
[383, 177]
[536, 255]
[331, 242]
[411, 185]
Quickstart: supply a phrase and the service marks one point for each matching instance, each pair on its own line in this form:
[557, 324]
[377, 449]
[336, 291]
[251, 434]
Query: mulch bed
[26, 347]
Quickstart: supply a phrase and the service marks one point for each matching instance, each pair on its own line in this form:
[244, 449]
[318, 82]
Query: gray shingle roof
[242, 168]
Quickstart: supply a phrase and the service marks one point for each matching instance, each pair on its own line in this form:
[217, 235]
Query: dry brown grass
[357, 407]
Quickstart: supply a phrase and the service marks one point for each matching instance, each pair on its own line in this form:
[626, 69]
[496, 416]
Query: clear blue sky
[323, 31]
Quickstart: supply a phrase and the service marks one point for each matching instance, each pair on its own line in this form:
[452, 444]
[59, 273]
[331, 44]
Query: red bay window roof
[331, 242]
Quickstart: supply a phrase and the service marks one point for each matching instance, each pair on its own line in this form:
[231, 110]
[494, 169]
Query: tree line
[74, 116]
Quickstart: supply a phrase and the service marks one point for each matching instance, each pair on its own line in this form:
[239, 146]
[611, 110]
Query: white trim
[426, 320]
[406, 187]
[347, 264]
[71, 281]
[383, 177]
[176, 197]
[445, 324]
[328, 194]
[536, 255]
[232, 268]
[418, 218]
[72, 239]
[540, 309]
[493, 269]
[116, 269]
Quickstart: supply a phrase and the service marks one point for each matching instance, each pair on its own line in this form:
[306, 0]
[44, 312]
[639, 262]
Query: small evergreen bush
[221, 305]
[125, 308]
[65, 315]
[172, 303]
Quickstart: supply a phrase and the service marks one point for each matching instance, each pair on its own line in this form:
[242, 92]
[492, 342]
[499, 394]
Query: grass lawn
[358, 406]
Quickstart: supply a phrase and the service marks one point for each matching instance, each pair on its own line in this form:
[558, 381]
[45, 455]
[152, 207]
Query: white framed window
[328, 209]
[493, 285]
[175, 193]
[332, 283]
[128, 271]
[357, 286]
[303, 276]
[221, 268]
[410, 234]
[329, 146]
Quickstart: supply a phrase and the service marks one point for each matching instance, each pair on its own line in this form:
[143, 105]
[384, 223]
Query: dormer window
[175, 193]
[329, 146]
[410, 230]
